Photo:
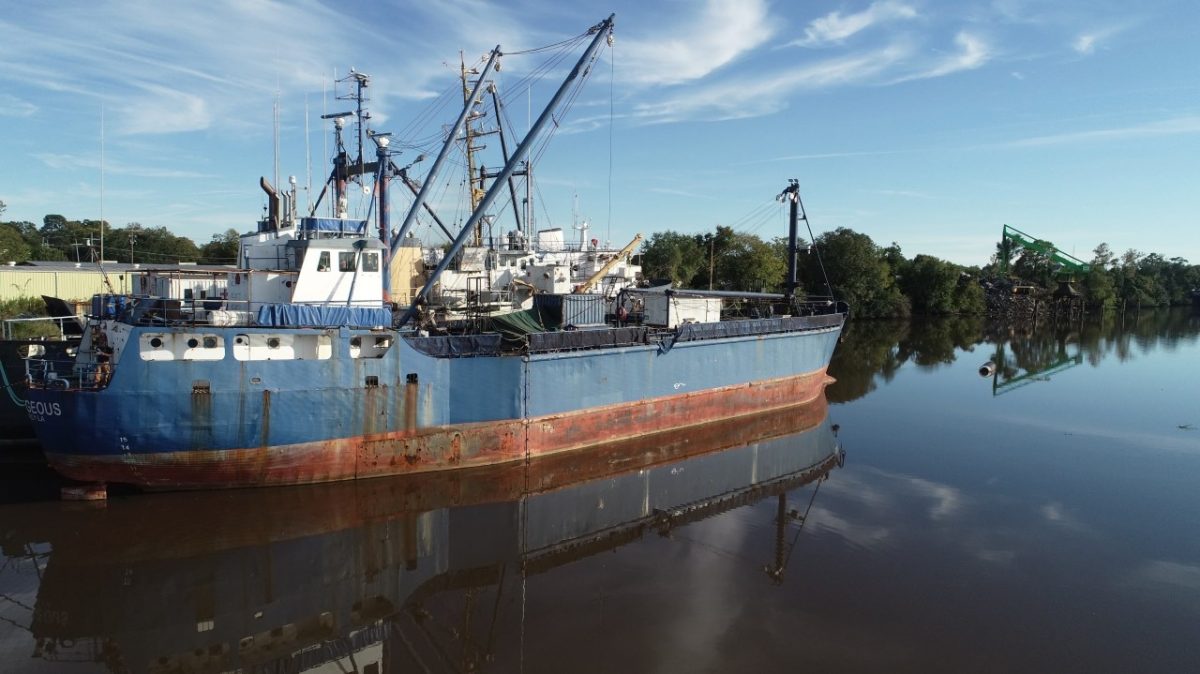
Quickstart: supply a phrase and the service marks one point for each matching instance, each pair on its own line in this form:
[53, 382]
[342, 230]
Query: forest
[58, 238]
[877, 281]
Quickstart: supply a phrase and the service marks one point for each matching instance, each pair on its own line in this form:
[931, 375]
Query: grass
[28, 307]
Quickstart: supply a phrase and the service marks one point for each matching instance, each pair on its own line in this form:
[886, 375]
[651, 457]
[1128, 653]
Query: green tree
[929, 284]
[672, 256]
[859, 274]
[968, 294]
[154, 245]
[1097, 285]
[748, 263]
[712, 247]
[73, 239]
[935, 286]
[222, 249]
[895, 259]
[13, 247]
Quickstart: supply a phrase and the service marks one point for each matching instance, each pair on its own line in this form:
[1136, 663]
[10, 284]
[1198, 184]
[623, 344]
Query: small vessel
[296, 368]
[295, 578]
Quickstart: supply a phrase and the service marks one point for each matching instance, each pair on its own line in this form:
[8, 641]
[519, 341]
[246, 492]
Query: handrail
[59, 322]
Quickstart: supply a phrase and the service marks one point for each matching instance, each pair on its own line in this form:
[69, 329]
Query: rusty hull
[444, 447]
[259, 516]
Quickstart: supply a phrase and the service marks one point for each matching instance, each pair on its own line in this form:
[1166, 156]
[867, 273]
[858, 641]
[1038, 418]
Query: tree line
[58, 238]
[879, 281]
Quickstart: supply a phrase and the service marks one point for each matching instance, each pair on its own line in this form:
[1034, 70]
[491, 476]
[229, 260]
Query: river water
[919, 518]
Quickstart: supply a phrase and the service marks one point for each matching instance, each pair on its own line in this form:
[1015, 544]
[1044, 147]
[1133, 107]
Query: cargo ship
[295, 368]
[295, 578]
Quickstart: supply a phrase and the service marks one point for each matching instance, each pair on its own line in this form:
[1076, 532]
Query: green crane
[1068, 268]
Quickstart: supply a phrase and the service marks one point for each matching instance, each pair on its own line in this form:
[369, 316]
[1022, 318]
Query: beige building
[72, 281]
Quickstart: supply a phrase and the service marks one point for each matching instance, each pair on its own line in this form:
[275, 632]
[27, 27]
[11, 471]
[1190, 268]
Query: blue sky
[931, 124]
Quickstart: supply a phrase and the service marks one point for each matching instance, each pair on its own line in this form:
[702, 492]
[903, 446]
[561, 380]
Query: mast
[603, 30]
[476, 193]
[792, 195]
[441, 158]
[382, 179]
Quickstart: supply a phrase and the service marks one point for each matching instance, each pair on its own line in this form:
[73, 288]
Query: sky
[929, 124]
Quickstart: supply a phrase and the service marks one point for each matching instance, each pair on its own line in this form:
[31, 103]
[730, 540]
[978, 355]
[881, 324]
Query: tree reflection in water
[873, 351]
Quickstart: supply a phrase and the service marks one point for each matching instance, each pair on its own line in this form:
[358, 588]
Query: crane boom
[587, 285]
[1066, 262]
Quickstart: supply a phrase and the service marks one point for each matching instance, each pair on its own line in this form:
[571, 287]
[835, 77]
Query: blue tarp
[296, 315]
[333, 225]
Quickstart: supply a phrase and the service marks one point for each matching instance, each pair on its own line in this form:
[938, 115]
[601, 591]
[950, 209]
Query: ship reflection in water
[425, 573]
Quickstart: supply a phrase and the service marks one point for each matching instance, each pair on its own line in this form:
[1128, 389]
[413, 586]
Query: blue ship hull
[229, 422]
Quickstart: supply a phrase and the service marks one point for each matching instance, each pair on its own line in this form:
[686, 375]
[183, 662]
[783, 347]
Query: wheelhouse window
[345, 261]
[370, 262]
[323, 261]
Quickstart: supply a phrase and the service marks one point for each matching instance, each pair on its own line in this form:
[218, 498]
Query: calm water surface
[1043, 519]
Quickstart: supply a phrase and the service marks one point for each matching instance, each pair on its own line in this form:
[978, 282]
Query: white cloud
[752, 97]
[861, 535]
[818, 155]
[947, 500]
[67, 162]
[1171, 574]
[679, 193]
[755, 96]
[196, 66]
[1186, 125]
[11, 106]
[721, 32]
[910, 194]
[1055, 513]
[1086, 43]
[834, 28]
[161, 109]
[973, 52]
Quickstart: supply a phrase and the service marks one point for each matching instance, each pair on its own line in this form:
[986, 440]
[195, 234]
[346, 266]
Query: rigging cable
[815, 247]
[555, 45]
[612, 58]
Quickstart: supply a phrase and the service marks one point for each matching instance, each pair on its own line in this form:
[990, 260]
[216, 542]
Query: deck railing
[20, 328]
[66, 374]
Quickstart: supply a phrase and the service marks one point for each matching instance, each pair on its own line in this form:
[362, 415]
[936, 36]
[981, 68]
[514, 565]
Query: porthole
[156, 342]
[210, 342]
[193, 343]
[272, 342]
